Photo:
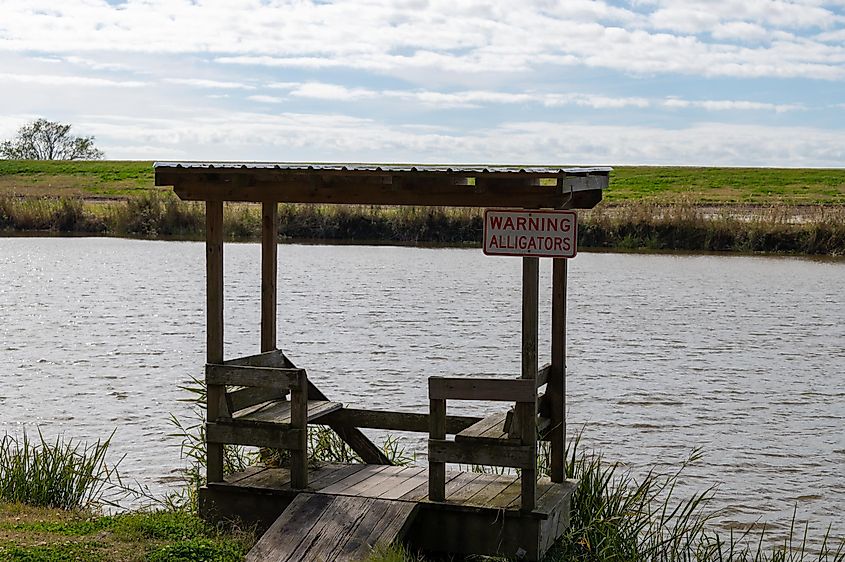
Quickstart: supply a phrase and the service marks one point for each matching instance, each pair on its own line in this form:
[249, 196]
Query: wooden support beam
[556, 390]
[496, 390]
[394, 421]
[527, 413]
[237, 375]
[299, 420]
[214, 323]
[269, 273]
[471, 452]
[436, 467]
[256, 436]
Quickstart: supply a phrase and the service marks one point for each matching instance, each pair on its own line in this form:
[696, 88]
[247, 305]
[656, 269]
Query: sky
[567, 82]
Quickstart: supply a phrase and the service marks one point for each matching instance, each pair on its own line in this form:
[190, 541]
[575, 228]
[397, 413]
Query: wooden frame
[242, 384]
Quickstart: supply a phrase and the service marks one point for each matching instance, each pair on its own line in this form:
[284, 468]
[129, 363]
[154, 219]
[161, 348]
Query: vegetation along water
[658, 208]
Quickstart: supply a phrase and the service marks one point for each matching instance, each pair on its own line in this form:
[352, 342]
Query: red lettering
[520, 223]
[496, 221]
[558, 244]
[508, 223]
[533, 223]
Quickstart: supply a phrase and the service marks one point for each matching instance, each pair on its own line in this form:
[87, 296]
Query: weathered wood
[272, 437]
[299, 415]
[279, 412]
[543, 374]
[471, 388]
[214, 326]
[291, 528]
[467, 452]
[252, 396]
[556, 389]
[269, 273]
[526, 414]
[354, 478]
[436, 467]
[489, 430]
[381, 527]
[406, 188]
[236, 375]
[273, 358]
[395, 421]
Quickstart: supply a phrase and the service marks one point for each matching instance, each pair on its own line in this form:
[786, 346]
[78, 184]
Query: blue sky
[722, 82]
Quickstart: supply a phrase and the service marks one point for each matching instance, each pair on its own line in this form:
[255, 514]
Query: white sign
[546, 234]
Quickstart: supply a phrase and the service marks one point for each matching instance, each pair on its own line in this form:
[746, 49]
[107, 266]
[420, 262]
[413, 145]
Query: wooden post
[269, 272]
[437, 430]
[527, 412]
[299, 420]
[214, 320]
[556, 389]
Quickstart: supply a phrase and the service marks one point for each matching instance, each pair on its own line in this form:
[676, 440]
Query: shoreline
[815, 230]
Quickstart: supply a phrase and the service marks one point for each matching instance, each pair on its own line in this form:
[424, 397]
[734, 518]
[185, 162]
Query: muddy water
[741, 356]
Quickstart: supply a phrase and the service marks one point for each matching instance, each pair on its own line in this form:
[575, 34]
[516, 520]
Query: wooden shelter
[265, 400]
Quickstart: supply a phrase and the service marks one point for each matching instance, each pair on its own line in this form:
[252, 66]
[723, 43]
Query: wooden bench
[255, 411]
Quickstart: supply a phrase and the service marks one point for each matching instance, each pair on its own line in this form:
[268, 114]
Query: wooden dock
[264, 400]
[481, 514]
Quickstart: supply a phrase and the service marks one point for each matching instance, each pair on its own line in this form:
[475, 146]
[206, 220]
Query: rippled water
[742, 356]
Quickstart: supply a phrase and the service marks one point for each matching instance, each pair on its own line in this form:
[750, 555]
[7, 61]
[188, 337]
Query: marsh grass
[63, 473]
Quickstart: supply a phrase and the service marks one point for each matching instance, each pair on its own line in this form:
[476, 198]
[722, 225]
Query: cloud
[731, 105]
[204, 83]
[338, 137]
[61, 80]
[779, 38]
[266, 99]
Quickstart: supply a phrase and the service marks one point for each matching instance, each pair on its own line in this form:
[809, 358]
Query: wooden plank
[420, 189]
[214, 326]
[492, 488]
[469, 452]
[269, 274]
[327, 476]
[478, 429]
[491, 431]
[279, 412]
[556, 390]
[358, 476]
[238, 375]
[395, 421]
[419, 478]
[392, 480]
[472, 388]
[340, 521]
[252, 396]
[526, 414]
[272, 478]
[386, 523]
[420, 493]
[374, 479]
[543, 374]
[291, 528]
[274, 358]
[509, 494]
[436, 431]
[256, 436]
[299, 414]
[251, 470]
[472, 485]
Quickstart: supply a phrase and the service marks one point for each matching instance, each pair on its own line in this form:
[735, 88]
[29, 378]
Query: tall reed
[63, 474]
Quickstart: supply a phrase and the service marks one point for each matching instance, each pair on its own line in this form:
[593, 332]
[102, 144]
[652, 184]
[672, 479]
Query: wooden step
[489, 430]
[318, 528]
[277, 412]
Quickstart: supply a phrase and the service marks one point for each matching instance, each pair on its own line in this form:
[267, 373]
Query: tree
[48, 140]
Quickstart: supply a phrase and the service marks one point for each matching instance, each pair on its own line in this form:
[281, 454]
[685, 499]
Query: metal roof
[387, 168]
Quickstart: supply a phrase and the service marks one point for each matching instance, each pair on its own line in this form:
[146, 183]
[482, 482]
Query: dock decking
[481, 514]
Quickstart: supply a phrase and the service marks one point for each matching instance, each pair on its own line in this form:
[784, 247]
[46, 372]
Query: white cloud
[61, 80]
[473, 37]
[337, 137]
[731, 105]
[266, 99]
[205, 83]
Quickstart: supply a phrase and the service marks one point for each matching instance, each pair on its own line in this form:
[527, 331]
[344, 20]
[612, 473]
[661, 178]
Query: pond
[740, 356]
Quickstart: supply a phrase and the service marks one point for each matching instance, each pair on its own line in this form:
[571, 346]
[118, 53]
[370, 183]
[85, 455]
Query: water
[742, 356]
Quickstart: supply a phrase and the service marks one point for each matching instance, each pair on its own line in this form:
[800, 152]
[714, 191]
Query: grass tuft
[65, 474]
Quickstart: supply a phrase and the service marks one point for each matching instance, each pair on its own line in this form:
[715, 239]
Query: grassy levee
[798, 211]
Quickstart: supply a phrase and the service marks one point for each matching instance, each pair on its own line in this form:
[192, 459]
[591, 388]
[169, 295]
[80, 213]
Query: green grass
[657, 184]
[39, 534]
[63, 473]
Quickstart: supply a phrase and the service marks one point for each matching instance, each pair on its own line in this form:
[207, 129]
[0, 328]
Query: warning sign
[547, 234]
